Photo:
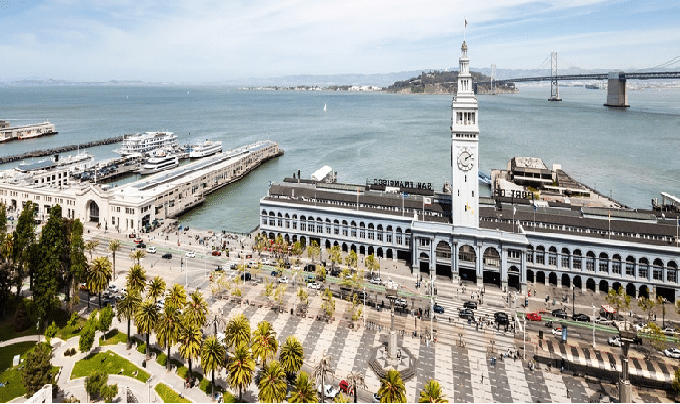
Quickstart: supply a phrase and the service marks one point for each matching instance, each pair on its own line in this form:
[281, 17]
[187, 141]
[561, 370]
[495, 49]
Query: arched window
[604, 262]
[576, 259]
[399, 237]
[565, 257]
[530, 254]
[467, 254]
[672, 272]
[380, 232]
[328, 226]
[630, 266]
[657, 270]
[492, 258]
[643, 268]
[344, 228]
[388, 234]
[540, 255]
[371, 231]
[590, 261]
[362, 230]
[354, 229]
[552, 256]
[616, 264]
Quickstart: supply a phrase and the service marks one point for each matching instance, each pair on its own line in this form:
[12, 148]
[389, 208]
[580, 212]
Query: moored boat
[158, 160]
[205, 149]
[146, 142]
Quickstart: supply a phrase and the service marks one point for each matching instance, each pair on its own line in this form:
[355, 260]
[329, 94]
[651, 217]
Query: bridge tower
[617, 96]
[554, 88]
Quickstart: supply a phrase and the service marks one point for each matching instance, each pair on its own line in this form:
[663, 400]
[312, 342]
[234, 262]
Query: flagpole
[610, 225]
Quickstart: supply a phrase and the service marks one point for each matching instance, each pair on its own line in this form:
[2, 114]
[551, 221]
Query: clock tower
[464, 149]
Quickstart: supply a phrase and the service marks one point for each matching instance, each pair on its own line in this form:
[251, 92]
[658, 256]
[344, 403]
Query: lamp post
[573, 299]
[364, 313]
[149, 385]
[663, 307]
[593, 326]
[431, 305]
[525, 338]
[294, 297]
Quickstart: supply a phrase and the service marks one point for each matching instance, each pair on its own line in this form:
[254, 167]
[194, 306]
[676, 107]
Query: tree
[291, 355]
[155, 288]
[136, 279]
[167, 329]
[177, 297]
[341, 398]
[190, 339]
[656, 336]
[196, 311]
[146, 318]
[51, 331]
[96, 386]
[137, 255]
[322, 371]
[676, 380]
[48, 268]
[79, 264]
[303, 390]
[240, 369]
[328, 304]
[86, 339]
[263, 341]
[91, 245]
[99, 276]
[127, 307]
[432, 393]
[212, 358]
[114, 245]
[392, 388]
[24, 237]
[355, 380]
[619, 299]
[37, 370]
[648, 306]
[272, 383]
[335, 255]
[105, 319]
[238, 331]
[351, 259]
[372, 264]
[313, 250]
[296, 250]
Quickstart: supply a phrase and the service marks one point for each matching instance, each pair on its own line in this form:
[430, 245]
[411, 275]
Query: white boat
[205, 149]
[80, 162]
[158, 160]
[146, 142]
[25, 131]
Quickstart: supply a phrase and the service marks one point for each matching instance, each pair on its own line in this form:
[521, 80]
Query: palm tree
[136, 279]
[355, 380]
[91, 245]
[99, 276]
[137, 255]
[432, 393]
[322, 371]
[155, 288]
[177, 297]
[272, 383]
[238, 331]
[241, 367]
[291, 355]
[114, 245]
[190, 339]
[212, 357]
[167, 329]
[146, 318]
[263, 341]
[126, 308]
[303, 390]
[392, 388]
[196, 310]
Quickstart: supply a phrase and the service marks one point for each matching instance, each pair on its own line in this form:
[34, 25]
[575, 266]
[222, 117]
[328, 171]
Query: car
[314, 285]
[376, 397]
[283, 279]
[310, 268]
[401, 303]
[580, 317]
[345, 388]
[557, 331]
[107, 294]
[141, 245]
[335, 271]
[470, 305]
[190, 254]
[603, 320]
[438, 309]
[246, 276]
[219, 268]
[108, 302]
[151, 250]
[466, 313]
[137, 240]
[167, 256]
[83, 286]
[329, 391]
[216, 253]
[501, 318]
[669, 331]
[276, 273]
[533, 317]
[615, 341]
[113, 288]
[376, 281]
[672, 353]
[559, 313]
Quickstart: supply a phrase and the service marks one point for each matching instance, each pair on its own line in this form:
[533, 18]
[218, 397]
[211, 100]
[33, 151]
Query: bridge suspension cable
[544, 64]
[669, 63]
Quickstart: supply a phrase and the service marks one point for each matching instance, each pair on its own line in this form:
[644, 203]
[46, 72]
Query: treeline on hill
[436, 82]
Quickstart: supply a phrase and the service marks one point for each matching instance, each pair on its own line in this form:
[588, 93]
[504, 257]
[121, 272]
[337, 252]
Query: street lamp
[525, 338]
[364, 314]
[593, 326]
[431, 305]
[149, 385]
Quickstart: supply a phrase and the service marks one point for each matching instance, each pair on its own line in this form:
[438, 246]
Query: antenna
[464, 28]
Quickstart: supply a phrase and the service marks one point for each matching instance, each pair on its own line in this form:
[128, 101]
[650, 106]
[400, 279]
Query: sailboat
[324, 107]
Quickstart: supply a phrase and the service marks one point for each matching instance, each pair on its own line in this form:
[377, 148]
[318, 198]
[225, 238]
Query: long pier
[62, 149]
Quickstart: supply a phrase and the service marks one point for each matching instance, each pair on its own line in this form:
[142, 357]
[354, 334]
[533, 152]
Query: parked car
[376, 281]
[401, 303]
[246, 276]
[219, 268]
[603, 320]
[672, 353]
[314, 285]
[466, 313]
[438, 309]
[335, 271]
[276, 273]
[329, 391]
[216, 253]
[83, 286]
[190, 254]
[141, 245]
[113, 288]
[310, 268]
[580, 317]
[167, 256]
[557, 331]
[669, 331]
[533, 317]
[559, 313]
[137, 240]
[615, 341]
[376, 397]
[501, 318]
[151, 250]
[283, 279]
[345, 388]
[470, 305]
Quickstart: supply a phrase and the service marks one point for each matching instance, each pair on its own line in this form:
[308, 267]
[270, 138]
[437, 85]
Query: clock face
[465, 160]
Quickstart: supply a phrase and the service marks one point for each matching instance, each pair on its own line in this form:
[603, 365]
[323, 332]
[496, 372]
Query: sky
[214, 41]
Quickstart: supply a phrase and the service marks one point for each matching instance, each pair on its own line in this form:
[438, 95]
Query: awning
[608, 309]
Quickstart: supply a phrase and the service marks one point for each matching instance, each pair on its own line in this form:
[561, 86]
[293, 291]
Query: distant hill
[439, 82]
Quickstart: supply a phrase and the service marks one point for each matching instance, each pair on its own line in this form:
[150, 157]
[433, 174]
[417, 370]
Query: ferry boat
[205, 149]
[25, 131]
[158, 160]
[145, 142]
[80, 162]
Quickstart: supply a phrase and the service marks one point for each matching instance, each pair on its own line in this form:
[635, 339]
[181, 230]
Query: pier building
[457, 236]
[130, 207]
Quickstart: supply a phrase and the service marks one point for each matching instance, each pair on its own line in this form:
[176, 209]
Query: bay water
[630, 154]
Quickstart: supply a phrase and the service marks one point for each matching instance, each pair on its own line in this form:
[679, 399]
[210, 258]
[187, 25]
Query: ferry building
[456, 235]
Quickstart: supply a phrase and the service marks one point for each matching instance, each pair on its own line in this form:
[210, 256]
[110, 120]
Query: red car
[344, 387]
[137, 240]
[216, 253]
[533, 317]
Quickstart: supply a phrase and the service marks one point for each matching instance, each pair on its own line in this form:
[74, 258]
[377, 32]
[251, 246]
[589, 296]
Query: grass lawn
[111, 363]
[7, 330]
[113, 337]
[169, 395]
[14, 387]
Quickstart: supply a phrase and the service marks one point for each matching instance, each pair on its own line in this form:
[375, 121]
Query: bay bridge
[617, 95]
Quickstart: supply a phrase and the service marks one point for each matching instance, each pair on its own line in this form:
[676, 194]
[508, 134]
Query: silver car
[672, 353]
